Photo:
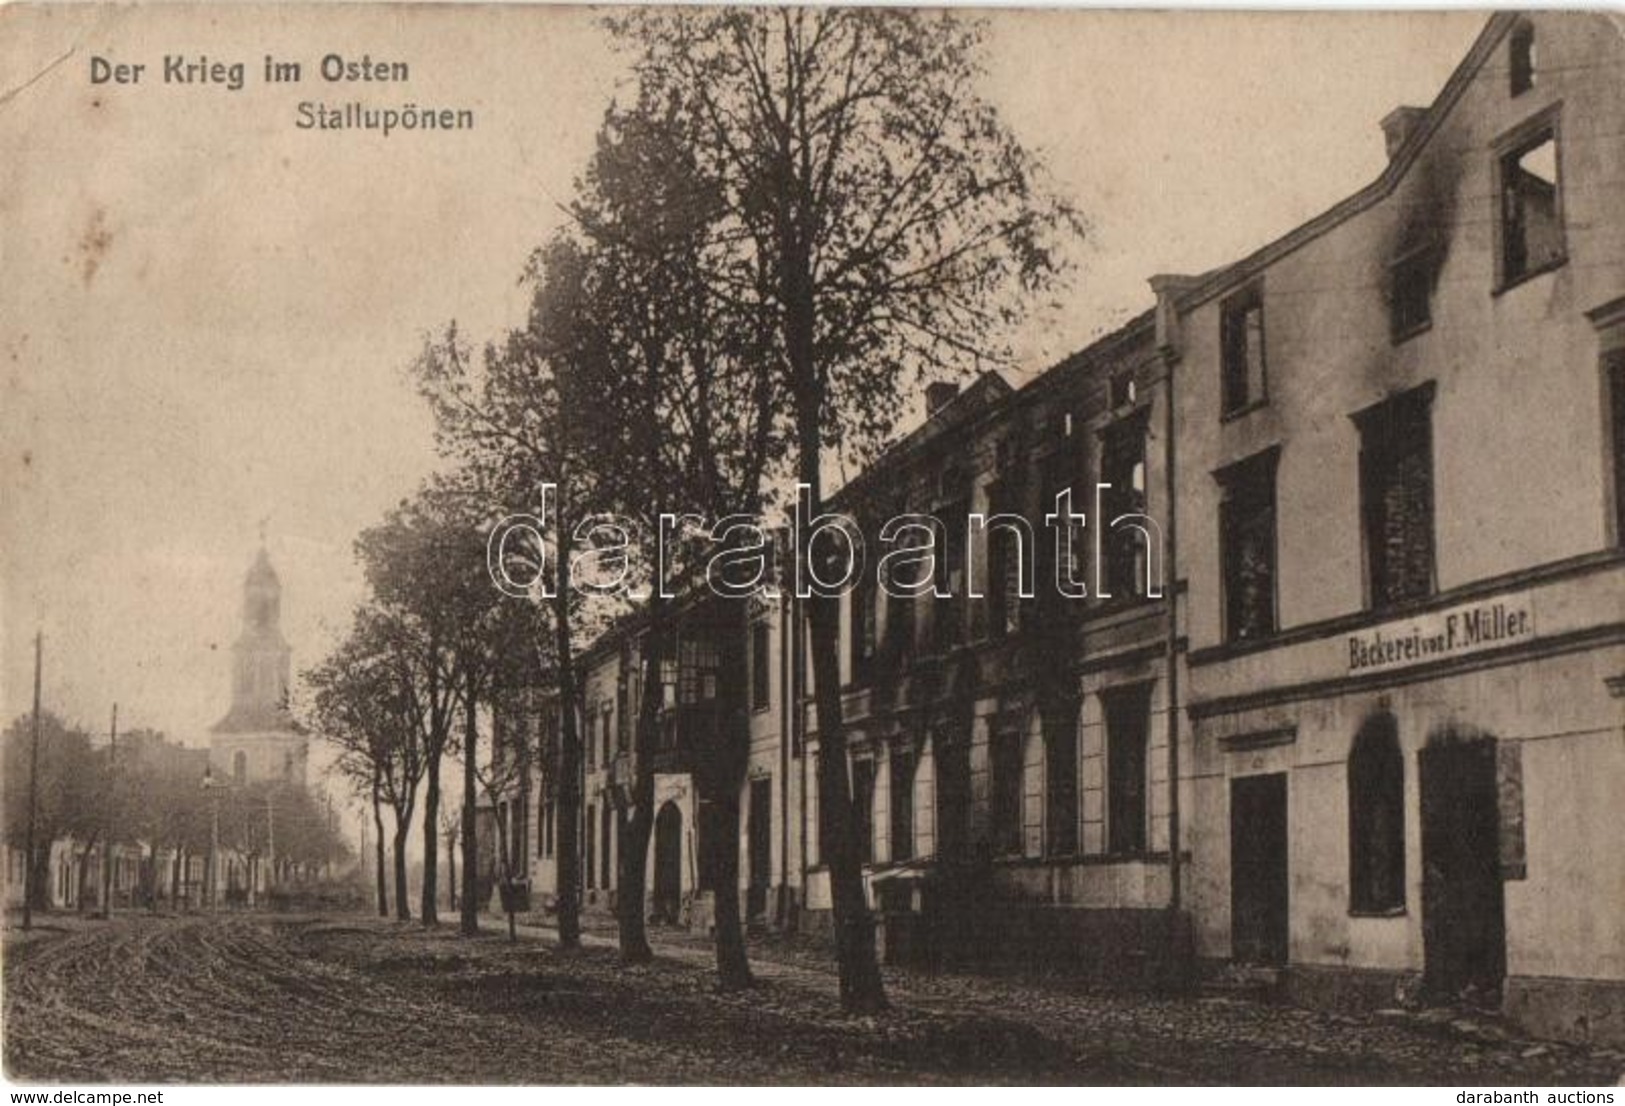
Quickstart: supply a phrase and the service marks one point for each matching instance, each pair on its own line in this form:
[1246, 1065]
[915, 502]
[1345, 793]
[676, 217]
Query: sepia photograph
[741, 546]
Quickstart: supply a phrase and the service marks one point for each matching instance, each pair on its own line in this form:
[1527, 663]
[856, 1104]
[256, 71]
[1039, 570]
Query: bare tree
[885, 218]
[368, 704]
[684, 417]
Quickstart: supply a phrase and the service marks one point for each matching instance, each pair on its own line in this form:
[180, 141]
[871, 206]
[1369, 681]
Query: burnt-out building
[1009, 731]
[1399, 513]
[1325, 685]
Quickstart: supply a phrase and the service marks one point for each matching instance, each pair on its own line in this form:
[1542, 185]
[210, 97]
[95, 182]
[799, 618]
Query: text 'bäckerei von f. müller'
[202, 71]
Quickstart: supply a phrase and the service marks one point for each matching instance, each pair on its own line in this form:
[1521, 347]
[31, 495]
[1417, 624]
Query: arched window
[1376, 777]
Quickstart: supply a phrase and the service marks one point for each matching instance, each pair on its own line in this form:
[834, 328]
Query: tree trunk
[403, 904]
[637, 824]
[378, 852]
[722, 780]
[84, 871]
[451, 870]
[470, 916]
[568, 891]
[733, 967]
[429, 912]
[175, 880]
[861, 987]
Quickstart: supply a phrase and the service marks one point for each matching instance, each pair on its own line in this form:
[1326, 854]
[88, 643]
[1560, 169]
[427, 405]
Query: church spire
[260, 656]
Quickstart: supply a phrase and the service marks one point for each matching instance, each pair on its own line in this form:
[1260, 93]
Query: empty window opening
[1128, 725]
[1531, 212]
[1521, 52]
[1242, 337]
[1396, 496]
[1247, 529]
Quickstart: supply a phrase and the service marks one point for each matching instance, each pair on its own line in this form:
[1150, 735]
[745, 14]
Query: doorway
[668, 882]
[760, 846]
[1258, 869]
[1463, 906]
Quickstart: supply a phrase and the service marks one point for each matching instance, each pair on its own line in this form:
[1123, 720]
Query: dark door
[668, 888]
[1258, 869]
[760, 844]
[1463, 913]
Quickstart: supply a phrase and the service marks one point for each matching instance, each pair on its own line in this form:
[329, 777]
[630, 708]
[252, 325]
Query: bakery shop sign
[1439, 635]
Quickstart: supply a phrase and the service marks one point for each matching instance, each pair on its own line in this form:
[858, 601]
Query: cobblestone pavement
[247, 998]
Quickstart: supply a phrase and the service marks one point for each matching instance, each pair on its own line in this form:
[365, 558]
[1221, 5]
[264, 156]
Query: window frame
[867, 770]
[1423, 260]
[1062, 793]
[1521, 59]
[1520, 140]
[1612, 364]
[1114, 702]
[1006, 753]
[1128, 436]
[1233, 308]
[761, 666]
[1421, 399]
[901, 799]
[1230, 479]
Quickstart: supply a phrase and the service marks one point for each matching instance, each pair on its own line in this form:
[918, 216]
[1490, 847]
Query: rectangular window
[697, 671]
[1247, 534]
[863, 613]
[950, 603]
[607, 857]
[590, 739]
[1521, 59]
[1241, 325]
[609, 732]
[1128, 725]
[1060, 470]
[1121, 390]
[863, 808]
[1061, 782]
[1531, 216]
[547, 829]
[1122, 468]
[1006, 797]
[1396, 497]
[902, 805]
[761, 670]
[1410, 294]
[1004, 557]
[1614, 366]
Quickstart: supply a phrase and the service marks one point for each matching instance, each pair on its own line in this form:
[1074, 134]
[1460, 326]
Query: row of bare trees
[147, 792]
[788, 215]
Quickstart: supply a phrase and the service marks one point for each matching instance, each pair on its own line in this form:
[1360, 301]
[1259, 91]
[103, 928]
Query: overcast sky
[206, 313]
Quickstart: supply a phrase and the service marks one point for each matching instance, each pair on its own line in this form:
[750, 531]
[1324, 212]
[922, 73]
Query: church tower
[258, 740]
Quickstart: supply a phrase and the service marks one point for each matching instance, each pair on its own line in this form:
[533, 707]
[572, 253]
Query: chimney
[1398, 125]
[937, 395]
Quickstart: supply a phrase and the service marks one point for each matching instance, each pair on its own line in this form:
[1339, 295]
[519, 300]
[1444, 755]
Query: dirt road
[256, 999]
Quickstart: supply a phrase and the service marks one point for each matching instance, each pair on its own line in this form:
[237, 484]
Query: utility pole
[29, 874]
[212, 876]
[107, 832]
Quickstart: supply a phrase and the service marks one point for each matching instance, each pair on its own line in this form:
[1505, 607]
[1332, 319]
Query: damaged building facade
[1361, 731]
[1399, 520]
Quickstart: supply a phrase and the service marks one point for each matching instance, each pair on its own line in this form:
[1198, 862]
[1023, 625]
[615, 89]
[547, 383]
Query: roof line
[1210, 284]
